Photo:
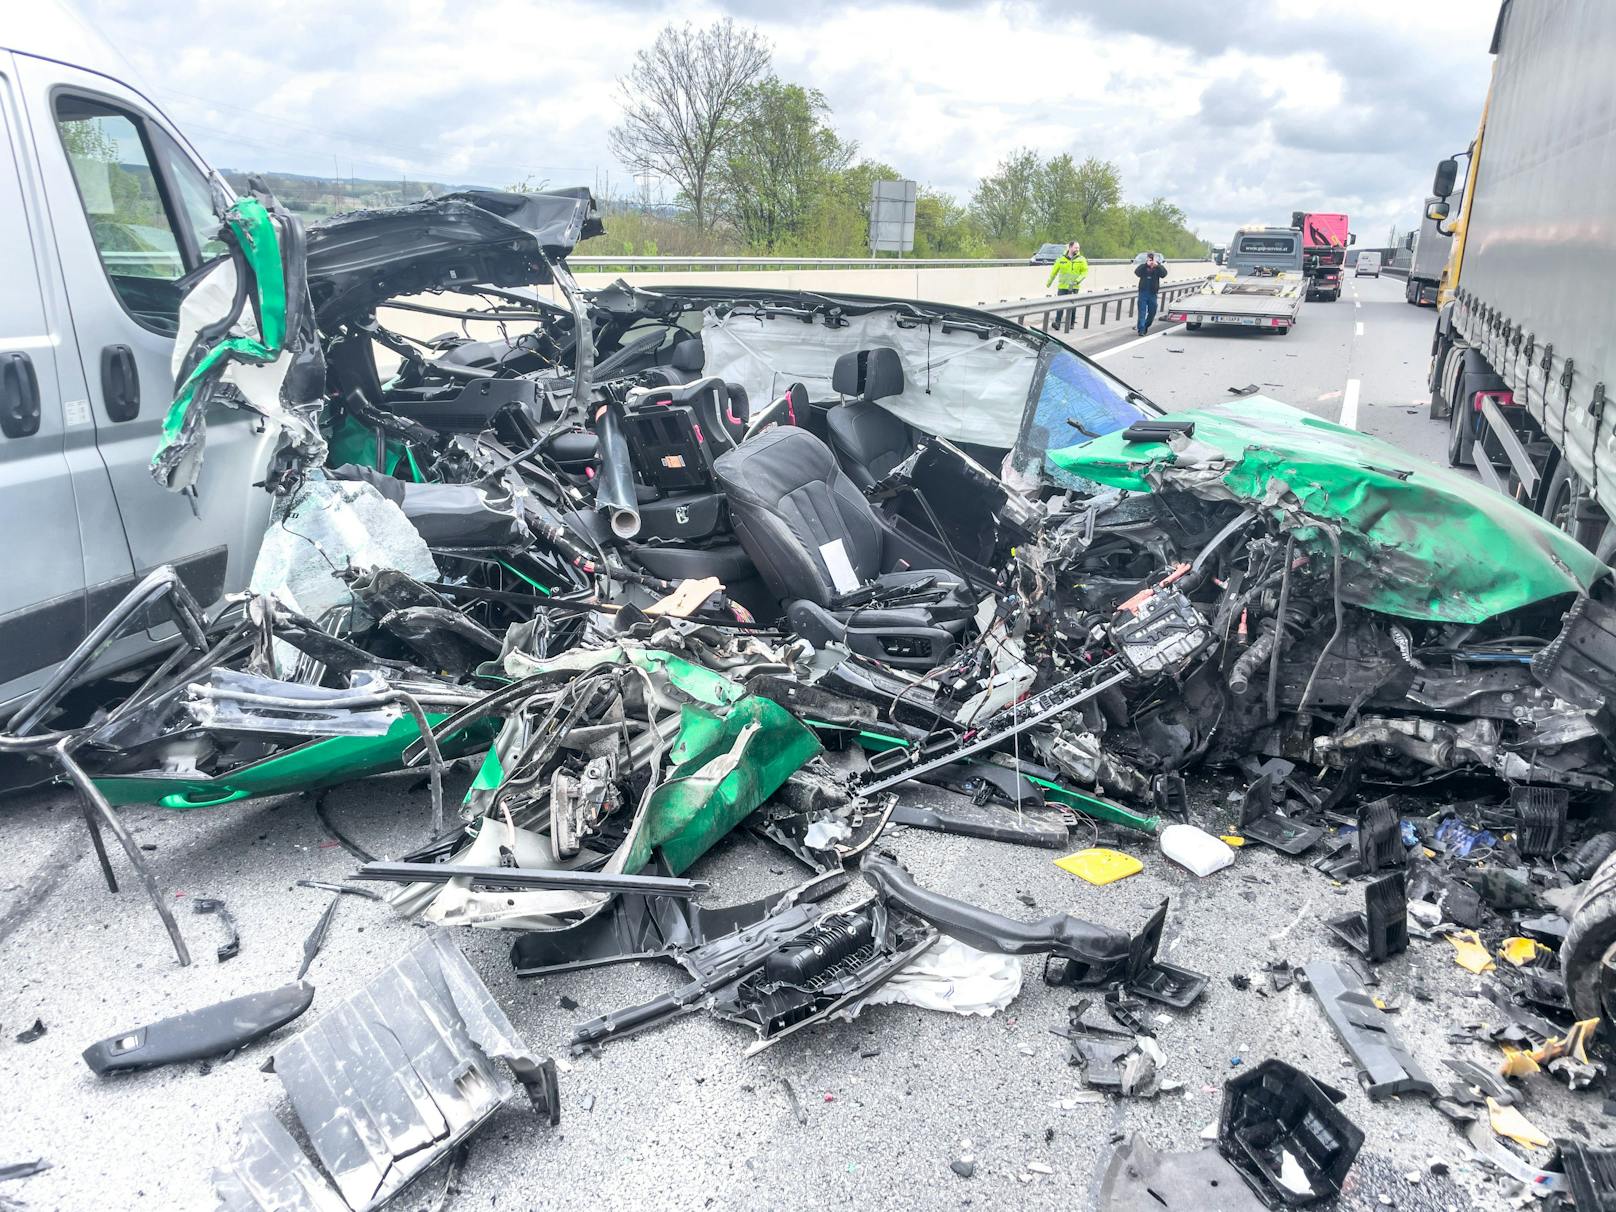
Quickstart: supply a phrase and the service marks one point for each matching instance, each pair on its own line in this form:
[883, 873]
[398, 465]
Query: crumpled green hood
[1417, 540]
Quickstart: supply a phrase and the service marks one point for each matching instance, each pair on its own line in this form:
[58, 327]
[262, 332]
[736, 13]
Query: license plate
[1235, 320]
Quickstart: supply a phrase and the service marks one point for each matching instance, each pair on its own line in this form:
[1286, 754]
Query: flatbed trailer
[1261, 285]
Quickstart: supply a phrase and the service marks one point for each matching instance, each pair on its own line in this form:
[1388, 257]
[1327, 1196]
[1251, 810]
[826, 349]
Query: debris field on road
[658, 574]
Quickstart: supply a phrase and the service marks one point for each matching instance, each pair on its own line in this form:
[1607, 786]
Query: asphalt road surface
[676, 1118]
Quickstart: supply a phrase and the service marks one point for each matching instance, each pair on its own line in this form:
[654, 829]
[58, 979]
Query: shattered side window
[1074, 401]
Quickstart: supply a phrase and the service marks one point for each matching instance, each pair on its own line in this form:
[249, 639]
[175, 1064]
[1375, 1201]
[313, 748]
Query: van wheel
[1192, 325]
[1591, 936]
[1461, 437]
[1286, 331]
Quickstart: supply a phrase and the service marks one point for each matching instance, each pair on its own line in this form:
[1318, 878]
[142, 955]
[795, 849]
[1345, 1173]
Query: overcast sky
[1238, 112]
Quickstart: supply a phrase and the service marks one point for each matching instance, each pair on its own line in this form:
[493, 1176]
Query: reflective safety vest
[1070, 271]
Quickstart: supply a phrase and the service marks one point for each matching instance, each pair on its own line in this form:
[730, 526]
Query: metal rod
[530, 877]
[92, 795]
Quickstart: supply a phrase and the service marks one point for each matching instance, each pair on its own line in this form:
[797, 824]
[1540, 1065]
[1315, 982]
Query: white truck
[104, 208]
[1261, 285]
[1428, 247]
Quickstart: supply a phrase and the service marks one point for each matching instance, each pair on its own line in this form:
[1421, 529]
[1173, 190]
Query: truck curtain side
[1522, 356]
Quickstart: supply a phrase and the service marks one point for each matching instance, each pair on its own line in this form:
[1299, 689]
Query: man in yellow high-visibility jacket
[1067, 274]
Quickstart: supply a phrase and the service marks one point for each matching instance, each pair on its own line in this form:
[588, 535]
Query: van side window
[195, 195]
[124, 202]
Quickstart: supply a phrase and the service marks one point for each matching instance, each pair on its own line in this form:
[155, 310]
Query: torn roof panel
[1417, 540]
[476, 237]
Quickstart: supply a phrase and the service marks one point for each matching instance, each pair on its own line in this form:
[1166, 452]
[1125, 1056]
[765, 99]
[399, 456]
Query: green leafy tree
[1003, 201]
[778, 157]
[1097, 187]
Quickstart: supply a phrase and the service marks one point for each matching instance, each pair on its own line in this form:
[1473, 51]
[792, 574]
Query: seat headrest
[688, 355]
[868, 374]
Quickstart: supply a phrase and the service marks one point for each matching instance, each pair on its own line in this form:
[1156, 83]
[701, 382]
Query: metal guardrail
[1026, 309]
[667, 263]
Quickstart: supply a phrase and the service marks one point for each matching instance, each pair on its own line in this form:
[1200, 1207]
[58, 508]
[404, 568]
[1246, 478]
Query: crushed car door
[132, 218]
[42, 612]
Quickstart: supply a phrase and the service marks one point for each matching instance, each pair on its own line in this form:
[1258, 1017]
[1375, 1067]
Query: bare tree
[679, 98]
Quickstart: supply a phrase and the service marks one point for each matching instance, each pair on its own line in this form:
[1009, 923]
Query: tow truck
[1261, 284]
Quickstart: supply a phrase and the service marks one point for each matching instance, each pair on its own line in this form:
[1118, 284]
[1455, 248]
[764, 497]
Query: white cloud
[1237, 112]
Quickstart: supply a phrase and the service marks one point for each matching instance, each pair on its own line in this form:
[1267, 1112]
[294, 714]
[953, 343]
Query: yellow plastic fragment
[1099, 865]
[1508, 1121]
[1471, 955]
[1233, 839]
[1517, 1063]
[1574, 1044]
[1523, 951]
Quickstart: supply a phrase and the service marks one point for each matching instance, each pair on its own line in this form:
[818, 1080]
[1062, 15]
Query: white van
[104, 208]
[1368, 265]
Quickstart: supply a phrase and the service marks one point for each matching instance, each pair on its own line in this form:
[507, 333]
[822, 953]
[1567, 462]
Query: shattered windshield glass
[1072, 401]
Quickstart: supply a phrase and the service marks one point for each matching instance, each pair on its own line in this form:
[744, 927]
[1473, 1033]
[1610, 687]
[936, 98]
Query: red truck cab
[1324, 252]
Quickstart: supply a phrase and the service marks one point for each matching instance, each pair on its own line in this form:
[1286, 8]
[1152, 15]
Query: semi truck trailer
[1523, 358]
[1429, 246]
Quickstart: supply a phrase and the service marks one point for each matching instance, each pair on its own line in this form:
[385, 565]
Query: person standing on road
[1150, 275]
[1068, 272]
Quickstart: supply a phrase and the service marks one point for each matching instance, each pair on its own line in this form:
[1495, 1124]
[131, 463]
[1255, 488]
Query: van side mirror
[1437, 211]
[1447, 173]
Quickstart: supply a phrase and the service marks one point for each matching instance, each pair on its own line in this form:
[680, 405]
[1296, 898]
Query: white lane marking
[1106, 353]
[1358, 331]
[1355, 303]
[1349, 405]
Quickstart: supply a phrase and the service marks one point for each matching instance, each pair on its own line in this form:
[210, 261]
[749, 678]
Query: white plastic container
[1196, 849]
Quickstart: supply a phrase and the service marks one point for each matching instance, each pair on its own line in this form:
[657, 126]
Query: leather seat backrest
[868, 374]
[868, 440]
[787, 497]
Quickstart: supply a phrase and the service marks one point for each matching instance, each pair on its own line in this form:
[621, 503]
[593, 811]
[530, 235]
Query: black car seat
[789, 502]
[868, 440]
[684, 364]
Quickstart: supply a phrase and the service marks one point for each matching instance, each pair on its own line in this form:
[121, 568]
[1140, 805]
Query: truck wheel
[1461, 437]
[1592, 934]
[1565, 506]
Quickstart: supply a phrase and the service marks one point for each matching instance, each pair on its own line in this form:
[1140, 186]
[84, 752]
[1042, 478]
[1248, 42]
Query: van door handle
[120, 383]
[19, 396]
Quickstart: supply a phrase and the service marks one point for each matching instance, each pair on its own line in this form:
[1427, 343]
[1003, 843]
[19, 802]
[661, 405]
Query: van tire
[1192, 325]
[1591, 935]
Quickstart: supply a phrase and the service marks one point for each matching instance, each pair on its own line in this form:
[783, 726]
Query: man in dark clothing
[1150, 275]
